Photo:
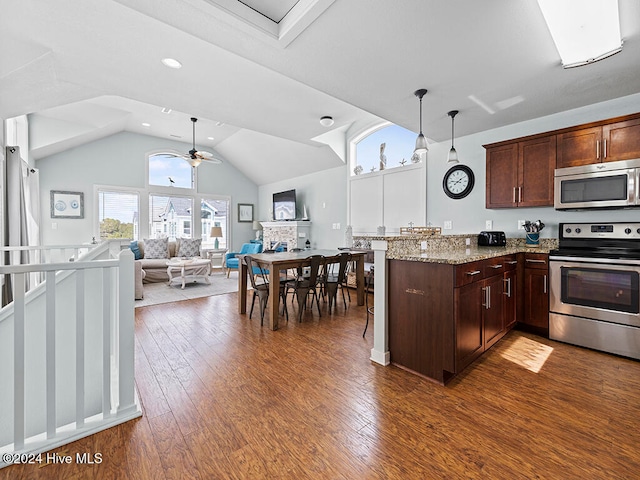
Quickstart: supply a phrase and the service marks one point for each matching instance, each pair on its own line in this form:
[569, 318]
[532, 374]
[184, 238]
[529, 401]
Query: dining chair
[335, 277]
[305, 285]
[369, 284]
[260, 285]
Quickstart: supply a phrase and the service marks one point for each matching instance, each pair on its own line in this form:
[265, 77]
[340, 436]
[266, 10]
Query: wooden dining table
[276, 262]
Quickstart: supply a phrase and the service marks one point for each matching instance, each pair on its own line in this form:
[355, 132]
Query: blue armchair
[231, 259]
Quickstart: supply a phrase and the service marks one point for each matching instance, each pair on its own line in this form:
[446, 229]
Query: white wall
[325, 196]
[119, 160]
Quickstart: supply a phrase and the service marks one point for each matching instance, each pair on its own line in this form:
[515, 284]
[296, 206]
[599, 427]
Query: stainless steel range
[595, 287]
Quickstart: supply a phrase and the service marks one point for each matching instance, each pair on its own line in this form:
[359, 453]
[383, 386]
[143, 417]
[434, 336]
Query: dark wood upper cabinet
[520, 174]
[579, 147]
[520, 171]
[621, 140]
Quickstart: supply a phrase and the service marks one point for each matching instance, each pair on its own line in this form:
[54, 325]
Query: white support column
[126, 332]
[380, 350]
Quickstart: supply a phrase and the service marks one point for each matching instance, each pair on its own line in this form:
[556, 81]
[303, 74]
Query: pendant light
[421, 141]
[453, 155]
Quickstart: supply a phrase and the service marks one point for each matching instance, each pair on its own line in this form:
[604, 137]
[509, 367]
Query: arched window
[385, 148]
[170, 170]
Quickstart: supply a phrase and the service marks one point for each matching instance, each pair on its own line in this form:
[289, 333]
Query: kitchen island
[446, 302]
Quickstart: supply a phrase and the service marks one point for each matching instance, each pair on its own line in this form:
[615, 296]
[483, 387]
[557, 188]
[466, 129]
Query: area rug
[155, 293]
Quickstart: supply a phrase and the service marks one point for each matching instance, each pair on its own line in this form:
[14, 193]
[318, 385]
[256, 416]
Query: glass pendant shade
[453, 156]
[421, 145]
[421, 141]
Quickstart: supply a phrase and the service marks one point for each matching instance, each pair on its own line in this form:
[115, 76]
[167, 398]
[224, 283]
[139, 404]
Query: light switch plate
[448, 224]
[521, 224]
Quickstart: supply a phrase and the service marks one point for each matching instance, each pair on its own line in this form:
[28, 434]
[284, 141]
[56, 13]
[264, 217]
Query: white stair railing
[79, 320]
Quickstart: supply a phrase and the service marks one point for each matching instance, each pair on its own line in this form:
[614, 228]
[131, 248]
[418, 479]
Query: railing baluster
[18, 361]
[50, 319]
[106, 342]
[80, 348]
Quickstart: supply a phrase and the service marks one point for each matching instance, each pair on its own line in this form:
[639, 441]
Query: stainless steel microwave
[600, 185]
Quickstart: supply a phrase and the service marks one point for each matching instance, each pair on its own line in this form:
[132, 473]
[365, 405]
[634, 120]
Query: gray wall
[119, 160]
[325, 196]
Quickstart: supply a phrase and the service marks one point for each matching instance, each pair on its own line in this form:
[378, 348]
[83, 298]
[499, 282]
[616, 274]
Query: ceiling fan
[196, 157]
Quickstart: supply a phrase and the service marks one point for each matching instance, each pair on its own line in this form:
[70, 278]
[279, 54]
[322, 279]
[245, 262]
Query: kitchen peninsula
[446, 302]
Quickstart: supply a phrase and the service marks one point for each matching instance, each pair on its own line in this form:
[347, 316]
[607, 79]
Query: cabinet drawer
[494, 266]
[536, 260]
[469, 272]
[510, 262]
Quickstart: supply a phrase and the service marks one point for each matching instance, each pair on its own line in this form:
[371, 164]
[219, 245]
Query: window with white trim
[118, 214]
[167, 169]
[388, 147]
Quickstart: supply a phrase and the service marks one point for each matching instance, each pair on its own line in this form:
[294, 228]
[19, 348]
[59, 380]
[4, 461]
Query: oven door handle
[544, 285]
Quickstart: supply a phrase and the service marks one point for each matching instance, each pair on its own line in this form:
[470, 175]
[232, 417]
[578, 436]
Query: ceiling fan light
[194, 162]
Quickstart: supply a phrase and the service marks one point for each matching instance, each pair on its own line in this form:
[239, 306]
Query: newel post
[126, 343]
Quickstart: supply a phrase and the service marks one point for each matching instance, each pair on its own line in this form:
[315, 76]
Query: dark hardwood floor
[224, 398]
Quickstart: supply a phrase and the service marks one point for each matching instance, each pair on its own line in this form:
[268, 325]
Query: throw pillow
[136, 250]
[156, 248]
[189, 247]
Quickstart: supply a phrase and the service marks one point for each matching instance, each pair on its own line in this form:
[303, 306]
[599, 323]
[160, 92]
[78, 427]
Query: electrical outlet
[521, 224]
[337, 226]
[488, 224]
[423, 245]
[448, 224]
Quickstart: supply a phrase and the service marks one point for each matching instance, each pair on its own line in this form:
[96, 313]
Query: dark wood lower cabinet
[535, 294]
[443, 317]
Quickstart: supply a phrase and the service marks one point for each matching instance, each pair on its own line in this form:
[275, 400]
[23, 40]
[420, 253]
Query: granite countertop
[459, 256]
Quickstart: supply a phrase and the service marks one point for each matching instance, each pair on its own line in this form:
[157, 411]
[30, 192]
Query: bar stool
[367, 289]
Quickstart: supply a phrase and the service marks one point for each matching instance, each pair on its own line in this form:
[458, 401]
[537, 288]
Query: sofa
[154, 270]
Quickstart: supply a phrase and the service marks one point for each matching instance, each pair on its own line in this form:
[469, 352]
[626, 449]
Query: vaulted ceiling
[260, 74]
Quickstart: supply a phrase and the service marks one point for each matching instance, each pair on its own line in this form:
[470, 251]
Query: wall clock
[458, 182]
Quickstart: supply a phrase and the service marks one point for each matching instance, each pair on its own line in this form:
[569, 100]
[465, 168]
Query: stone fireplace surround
[294, 234]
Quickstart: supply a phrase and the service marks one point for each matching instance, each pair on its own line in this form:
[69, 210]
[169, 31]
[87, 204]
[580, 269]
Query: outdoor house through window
[169, 206]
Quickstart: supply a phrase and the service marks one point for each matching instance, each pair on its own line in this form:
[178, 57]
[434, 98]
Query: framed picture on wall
[245, 212]
[67, 204]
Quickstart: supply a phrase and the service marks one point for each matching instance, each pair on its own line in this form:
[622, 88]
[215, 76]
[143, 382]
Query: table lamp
[257, 227]
[216, 232]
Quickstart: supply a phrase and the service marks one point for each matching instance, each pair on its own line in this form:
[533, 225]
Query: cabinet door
[621, 141]
[468, 302]
[536, 300]
[579, 147]
[502, 176]
[536, 163]
[509, 303]
[493, 312]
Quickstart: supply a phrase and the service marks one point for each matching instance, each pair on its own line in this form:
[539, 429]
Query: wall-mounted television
[284, 205]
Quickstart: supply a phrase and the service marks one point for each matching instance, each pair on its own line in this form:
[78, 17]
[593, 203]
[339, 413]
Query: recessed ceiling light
[166, 110]
[171, 63]
[210, 138]
[145, 124]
